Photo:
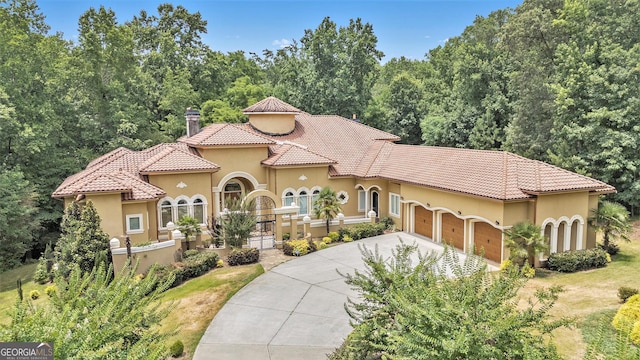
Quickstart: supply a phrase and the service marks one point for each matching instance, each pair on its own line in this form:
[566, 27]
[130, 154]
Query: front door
[374, 202]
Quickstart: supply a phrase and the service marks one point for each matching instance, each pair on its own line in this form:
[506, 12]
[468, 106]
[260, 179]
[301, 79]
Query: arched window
[198, 211]
[166, 213]
[183, 209]
[316, 195]
[288, 198]
[304, 202]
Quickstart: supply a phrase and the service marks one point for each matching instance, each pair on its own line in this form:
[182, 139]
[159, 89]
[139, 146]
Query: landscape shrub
[612, 248]
[34, 294]
[327, 240]
[220, 263]
[243, 256]
[50, 290]
[41, 275]
[321, 245]
[190, 253]
[628, 317]
[191, 266]
[347, 238]
[364, 230]
[298, 247]
[176, 349]
[387, 222]
[576, 260]
[342, 232]
[625, 293]
[334, 236]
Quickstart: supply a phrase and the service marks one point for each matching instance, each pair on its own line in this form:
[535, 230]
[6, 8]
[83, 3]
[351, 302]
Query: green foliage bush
[190, 253]
[611, 248]
[326, 240]
[347, 238]
[243, 256]
[41, 275]
[176, 349]
[50, 290]
[443, 307]
[34, 294]
[193, 266]
[577, 260]
[321, 245]
[387, 222]
[628, 318]
[334, 236]
[298, 247]
[625, 293]
[364, 230]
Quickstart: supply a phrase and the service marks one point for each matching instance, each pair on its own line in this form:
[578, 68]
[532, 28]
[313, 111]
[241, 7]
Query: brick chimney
[193, 121]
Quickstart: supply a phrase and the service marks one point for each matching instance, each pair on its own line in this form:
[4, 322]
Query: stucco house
[283, 156]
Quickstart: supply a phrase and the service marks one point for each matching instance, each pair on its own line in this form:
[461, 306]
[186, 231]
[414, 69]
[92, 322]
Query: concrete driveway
[296, 310]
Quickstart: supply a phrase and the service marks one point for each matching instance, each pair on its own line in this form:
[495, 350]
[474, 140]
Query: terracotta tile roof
[291, 154]
[172, 159]
[119, 171]
[226, 134]
[334, 137]
[271, 105]
[492, 174]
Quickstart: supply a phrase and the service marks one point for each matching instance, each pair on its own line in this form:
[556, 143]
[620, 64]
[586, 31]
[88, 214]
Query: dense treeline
[552, 80]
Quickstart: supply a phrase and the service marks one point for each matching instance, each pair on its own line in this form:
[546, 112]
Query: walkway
[295, 310]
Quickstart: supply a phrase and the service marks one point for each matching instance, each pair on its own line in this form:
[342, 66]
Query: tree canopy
[552, 80]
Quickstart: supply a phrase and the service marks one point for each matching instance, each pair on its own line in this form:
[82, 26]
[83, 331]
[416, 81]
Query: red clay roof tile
[226, 134]
[271, 105]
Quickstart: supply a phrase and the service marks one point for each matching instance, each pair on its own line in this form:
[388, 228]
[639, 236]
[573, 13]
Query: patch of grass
[9, 277]
[597, 327]
[198, 300]
[588, 295]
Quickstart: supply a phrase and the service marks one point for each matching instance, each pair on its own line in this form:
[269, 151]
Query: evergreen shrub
[34, 294]
[628, 317]
[625, 293]
[577, 260]
[243, 256]
[334, 236]
[176, 349]
[50, 290]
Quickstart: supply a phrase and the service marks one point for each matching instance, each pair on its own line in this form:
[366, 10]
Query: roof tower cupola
[272, 116]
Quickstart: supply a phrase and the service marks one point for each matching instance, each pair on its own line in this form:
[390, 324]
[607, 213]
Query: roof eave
[169, 172]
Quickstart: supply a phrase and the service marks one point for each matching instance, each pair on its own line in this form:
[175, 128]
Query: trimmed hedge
[363, 230]
[577, 260]
[243, 256]
[193, 265]
[625, 293]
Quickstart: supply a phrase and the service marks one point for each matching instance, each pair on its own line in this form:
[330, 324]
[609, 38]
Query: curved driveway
[295, 310]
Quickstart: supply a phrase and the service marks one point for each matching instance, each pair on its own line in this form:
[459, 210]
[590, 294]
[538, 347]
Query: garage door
[488, 238]
[424, 222]
[453, 230]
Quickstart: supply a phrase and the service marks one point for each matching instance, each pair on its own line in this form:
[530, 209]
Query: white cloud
[427, 37]
[281, 43]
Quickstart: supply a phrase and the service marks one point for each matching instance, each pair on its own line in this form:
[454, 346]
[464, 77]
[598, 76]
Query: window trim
[362, 200]
[394, 201]
[128, 223]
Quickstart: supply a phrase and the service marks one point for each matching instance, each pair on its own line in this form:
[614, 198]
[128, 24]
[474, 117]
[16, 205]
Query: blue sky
[403, 28]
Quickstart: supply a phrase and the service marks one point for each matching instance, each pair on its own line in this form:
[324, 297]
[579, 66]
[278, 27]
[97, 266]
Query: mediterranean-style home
[284, 156]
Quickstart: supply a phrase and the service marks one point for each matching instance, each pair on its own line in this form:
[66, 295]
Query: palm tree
[326, 205]
[524, 240]
[188, 225]
[612, 219]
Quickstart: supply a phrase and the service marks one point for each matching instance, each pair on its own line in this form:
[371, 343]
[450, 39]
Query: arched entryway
[375, 202]
[453, 230]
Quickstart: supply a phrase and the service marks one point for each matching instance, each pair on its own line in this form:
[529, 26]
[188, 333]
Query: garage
[424, 222]
[453, 230]
[488, 238]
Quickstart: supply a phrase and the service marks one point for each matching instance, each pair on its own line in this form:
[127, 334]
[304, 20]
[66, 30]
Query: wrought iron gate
[263, 236]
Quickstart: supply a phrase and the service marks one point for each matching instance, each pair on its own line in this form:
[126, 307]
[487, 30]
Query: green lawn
[196, 301]
[589, 296]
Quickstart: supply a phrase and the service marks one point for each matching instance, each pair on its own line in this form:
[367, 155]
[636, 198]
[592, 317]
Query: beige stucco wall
[237, 159]
[491, 210]
[515, 212]
[591, 233]
[562, 204]
[109, 207]
[134, 209]
[273, 123]
[145, 258]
